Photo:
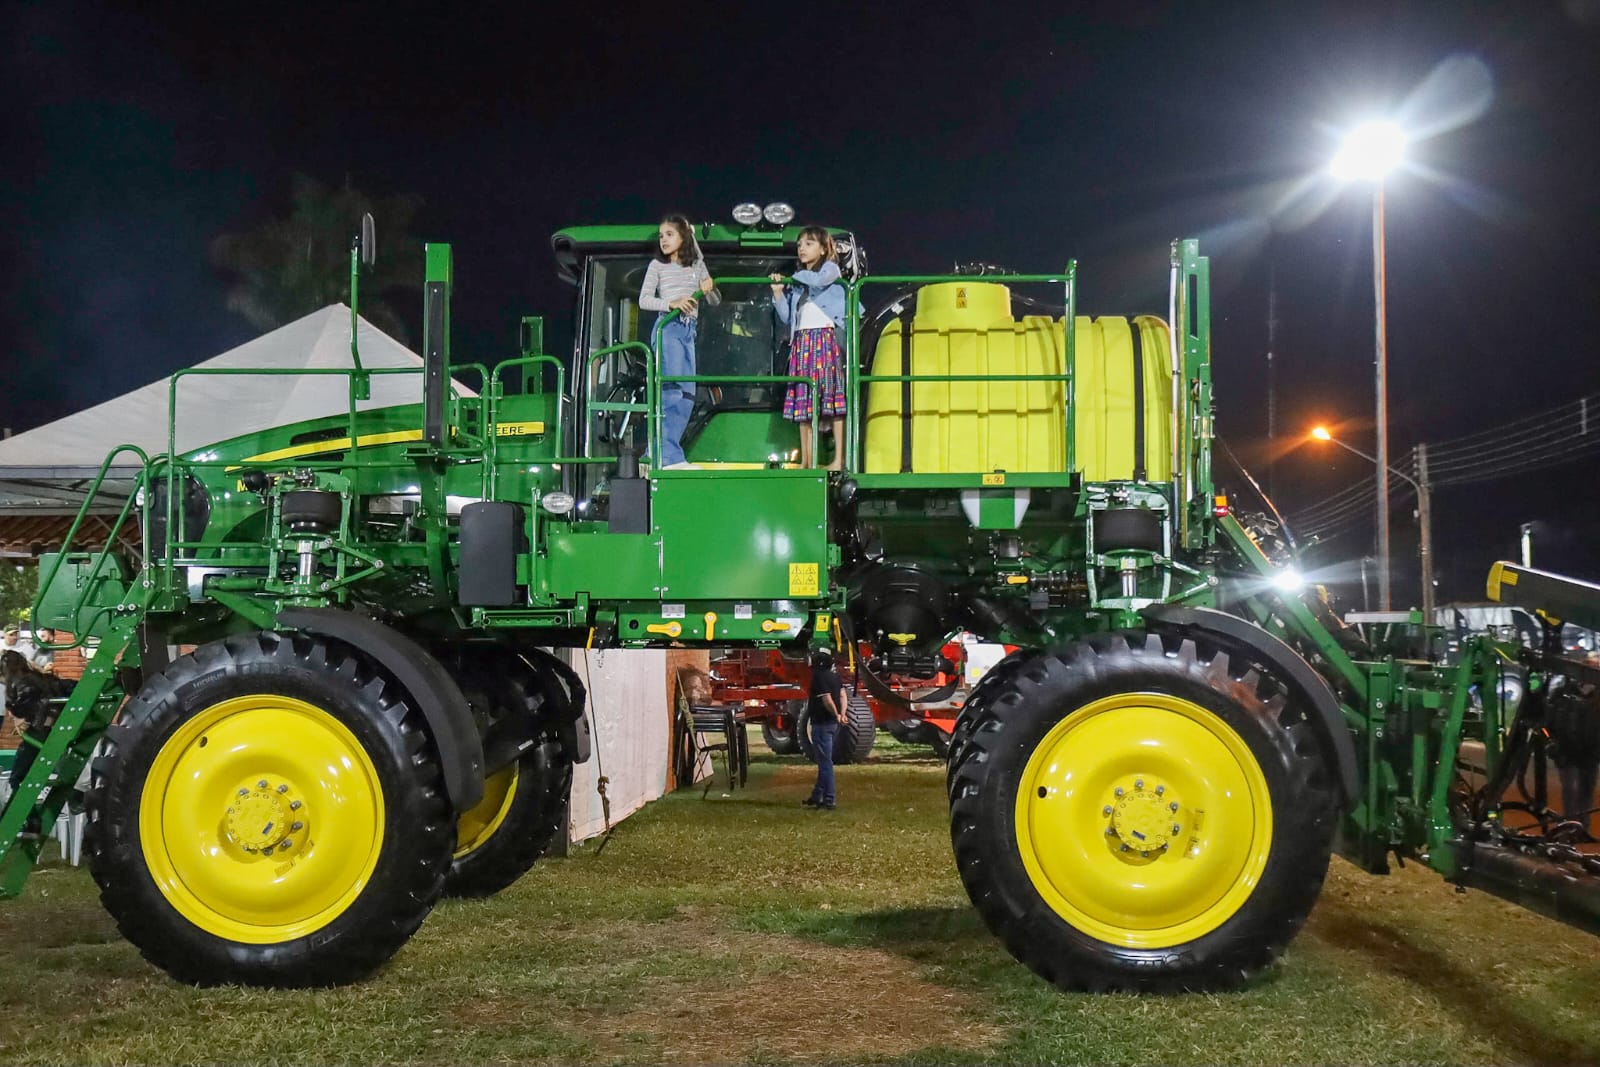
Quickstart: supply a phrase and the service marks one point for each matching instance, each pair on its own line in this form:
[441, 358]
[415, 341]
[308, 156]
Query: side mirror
[369, 240]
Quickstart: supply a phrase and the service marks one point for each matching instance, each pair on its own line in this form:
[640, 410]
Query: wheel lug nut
[267, 851]
[1138, 783]
[294, 805]
[1117, 791]
[285, 846]
[243, 791]
[1106, 810]
[1160, 789]
[1125, 848]
[285, 789]
[1176, 829]
[297, 826]
[261, 784]
[1173, 805]
[1110, 832]
[1146, 855]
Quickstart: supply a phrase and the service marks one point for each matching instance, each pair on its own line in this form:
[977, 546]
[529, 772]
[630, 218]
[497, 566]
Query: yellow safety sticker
[803, 579]
[518, 429]
[998, 478]
[824, 620]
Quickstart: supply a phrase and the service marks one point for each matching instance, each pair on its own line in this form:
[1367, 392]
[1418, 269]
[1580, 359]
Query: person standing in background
[12, 642]
[827, 711]
[43, 657]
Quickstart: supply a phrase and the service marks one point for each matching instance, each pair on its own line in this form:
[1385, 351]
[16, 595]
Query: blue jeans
[822, 735]
[677, 398]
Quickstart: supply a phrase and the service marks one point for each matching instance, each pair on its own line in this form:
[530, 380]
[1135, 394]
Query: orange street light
[1424, 516]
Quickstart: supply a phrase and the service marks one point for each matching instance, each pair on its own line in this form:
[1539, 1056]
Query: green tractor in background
[1144, 796]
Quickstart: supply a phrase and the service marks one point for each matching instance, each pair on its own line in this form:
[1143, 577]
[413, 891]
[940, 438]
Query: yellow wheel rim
[477, 826]
[1144, 820]
[261, 819]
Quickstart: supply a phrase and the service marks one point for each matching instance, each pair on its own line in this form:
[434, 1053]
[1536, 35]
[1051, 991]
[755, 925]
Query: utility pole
[1382, 388]
[1425, 531]
[1272, 379]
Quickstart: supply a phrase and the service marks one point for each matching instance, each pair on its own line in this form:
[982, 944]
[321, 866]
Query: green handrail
[496, 390]
[590, 403]
[140, 482]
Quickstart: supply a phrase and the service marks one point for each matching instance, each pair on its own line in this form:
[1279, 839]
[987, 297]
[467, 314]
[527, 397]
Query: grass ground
[743, 928]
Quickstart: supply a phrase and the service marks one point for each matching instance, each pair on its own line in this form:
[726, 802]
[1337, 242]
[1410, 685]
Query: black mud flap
[1326, 718]
[423, 678]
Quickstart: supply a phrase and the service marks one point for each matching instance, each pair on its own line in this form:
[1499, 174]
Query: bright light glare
[1321, 433]
[1369, 152]
[1289, 580]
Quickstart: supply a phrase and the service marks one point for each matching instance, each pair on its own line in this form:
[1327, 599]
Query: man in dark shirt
[826, 711]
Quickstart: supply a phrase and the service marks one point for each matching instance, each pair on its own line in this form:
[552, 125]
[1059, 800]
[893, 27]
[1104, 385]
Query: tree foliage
[18, 584]
[290, 266]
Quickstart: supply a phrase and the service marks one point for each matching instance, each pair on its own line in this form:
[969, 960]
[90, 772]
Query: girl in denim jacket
[814, 308]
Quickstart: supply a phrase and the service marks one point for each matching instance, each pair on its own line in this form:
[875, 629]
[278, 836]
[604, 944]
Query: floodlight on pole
[1424, 514]
[1369, 153]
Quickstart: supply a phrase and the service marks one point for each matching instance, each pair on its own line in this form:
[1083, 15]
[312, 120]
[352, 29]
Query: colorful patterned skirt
[815, 354]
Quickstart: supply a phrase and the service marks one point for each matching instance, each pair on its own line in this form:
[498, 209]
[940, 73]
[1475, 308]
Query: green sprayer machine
[1145, 795]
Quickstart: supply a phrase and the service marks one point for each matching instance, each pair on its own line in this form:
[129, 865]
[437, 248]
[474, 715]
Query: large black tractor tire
[993, 680]
[854, 740]
[524, 804]
[270, 811]
[1140, 812]
[782, 739]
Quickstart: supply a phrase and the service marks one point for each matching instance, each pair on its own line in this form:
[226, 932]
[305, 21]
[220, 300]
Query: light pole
[1369, 153]
[1424, 517]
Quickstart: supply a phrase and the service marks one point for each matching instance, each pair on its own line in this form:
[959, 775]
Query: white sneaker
[682, 467]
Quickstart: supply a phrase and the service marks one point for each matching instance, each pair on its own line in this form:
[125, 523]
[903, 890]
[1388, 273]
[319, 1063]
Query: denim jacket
[823, 288]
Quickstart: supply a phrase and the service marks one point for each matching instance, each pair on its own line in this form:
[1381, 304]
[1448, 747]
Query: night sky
[1020, 135]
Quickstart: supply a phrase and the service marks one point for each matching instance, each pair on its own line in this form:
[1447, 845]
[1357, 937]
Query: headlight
[557, 503]
[1289, 580]
[747, 214]
[778, 213]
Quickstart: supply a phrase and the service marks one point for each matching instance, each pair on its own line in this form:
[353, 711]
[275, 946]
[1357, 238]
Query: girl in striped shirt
[673, 282]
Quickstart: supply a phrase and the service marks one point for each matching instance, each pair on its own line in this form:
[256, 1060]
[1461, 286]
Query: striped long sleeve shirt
[666, 282]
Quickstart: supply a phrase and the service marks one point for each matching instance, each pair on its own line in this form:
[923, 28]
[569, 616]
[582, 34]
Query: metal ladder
[45, 789]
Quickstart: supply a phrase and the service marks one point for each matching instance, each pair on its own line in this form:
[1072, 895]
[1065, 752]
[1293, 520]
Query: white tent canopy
[216, 407]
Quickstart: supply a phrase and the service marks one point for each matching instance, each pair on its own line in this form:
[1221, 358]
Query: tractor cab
[737, 419]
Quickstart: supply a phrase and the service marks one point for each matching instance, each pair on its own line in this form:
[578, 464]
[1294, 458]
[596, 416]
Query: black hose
[1261, 494]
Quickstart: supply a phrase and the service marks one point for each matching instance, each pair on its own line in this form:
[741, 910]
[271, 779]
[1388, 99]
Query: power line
[1548, 438]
